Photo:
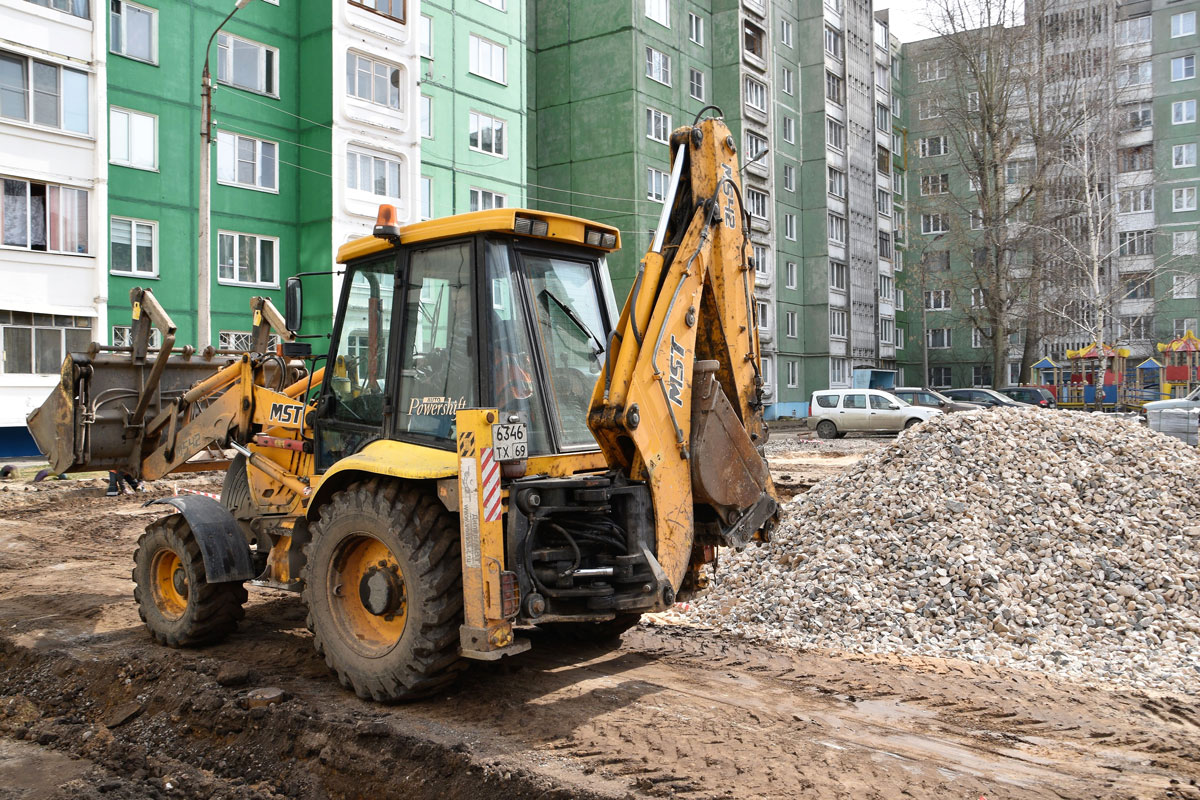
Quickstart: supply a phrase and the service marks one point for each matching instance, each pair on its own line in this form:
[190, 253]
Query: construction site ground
[90, 708]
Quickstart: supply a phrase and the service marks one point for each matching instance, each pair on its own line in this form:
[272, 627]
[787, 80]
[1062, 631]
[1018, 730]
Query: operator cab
[504, 308]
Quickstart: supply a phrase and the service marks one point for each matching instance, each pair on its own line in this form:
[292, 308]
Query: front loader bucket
[53, 424]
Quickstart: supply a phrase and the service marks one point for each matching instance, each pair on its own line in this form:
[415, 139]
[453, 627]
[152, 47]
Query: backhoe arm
[679, 404]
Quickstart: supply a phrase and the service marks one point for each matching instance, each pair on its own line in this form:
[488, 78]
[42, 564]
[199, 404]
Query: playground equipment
[1181, 368]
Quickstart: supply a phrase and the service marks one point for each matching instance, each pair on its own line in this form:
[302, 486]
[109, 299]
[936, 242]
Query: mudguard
[224, 549]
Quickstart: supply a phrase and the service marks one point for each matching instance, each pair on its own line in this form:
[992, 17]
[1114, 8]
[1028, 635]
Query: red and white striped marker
[179, 491]
[489, 484]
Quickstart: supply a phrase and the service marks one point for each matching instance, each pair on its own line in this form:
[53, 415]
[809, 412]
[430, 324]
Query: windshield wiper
[575, 318]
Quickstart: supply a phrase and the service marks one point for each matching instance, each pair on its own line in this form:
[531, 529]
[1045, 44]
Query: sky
[909, 18]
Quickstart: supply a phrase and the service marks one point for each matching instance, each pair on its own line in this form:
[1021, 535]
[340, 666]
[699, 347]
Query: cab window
[827, 400]
[360, 381]
[881, 402]
[855, 401]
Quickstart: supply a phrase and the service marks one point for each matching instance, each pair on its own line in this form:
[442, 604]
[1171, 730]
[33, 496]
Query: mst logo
[285, 413]
[675, 383]
[727, 190]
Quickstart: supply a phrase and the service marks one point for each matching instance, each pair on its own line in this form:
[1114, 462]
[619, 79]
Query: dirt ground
[90, 708]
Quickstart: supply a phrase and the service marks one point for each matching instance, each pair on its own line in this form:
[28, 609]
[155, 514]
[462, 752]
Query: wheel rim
[367, 596]
[170, 584]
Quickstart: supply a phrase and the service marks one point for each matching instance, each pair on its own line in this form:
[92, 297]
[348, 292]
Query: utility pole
[204, 256]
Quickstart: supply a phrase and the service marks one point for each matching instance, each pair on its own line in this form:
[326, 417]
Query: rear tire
[826, 429]
[174, 598]
[383, 586]
[607, 632]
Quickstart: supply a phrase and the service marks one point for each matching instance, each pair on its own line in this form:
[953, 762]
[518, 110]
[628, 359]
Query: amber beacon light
[386, 226]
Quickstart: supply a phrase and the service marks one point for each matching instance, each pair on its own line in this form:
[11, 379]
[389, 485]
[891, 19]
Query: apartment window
[426, 197]
[1136, 73]
[376, 174]
[1183, 243]
[756, 95]
[933, 70]
[899, 338]
[785, 33]
[132, 247]
[1183, 24]
[976, 219]
[755, 145]
[898, 182]
[1135, 159]
[790, 276]
[122, 336]
[496, 4]
[1133, 201]
[838, 275]
[981, 375]
[248, 162]
[837, 324]
[837, 228]
[789, 177]
[883, 202]
[1135, 243]
[882, 76]
[1183, 111]
[938, 339]
[374, 81]
[426, 36]
[1183, 287]
[657, 182]
[484, 200]
[1133, 31]
[789, 227]
[696, 84]
[835, 134]
[936, 260]
[928, 108]
[1183, 155]
[833, 42]
[1139, 118]
[972, 101]
[837, 182]
[786, 80]
[44, 217]
[937, 300]
[835, 88]
[36, 344]
[887, 288]
[247, 65]
[395, 8]
[793, 379]
[696, 28]
[935, 184]
[934, 223]
[1183, 199]
[1138, 287]
[658, 126]
[658, 66]
[134, 31]
[246, 259]
[764, 324]
[757, 203]
[899, 299]
[488, 59]
[762, 260]
[883, 117]
[887, 330]
[885, 245]
[486, 134]
[754, 41]
[76, 8]
[44, 94]
[1136, 328]
[789, 130]
[133, 139]
[1184, 326]
[978, 297]
[838, 371]
[659, 11]
[426, 116]
[1017, 172]
[1183, 67]
[933, 146]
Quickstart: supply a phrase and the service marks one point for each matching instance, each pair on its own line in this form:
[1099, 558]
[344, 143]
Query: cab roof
[499, 220]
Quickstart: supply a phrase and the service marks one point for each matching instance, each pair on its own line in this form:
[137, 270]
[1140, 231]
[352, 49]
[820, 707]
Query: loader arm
[679, 403]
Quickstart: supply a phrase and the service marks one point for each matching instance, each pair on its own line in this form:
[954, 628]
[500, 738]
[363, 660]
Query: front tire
[826, 429]
[383, 586]
[911, 423]
[174, 598]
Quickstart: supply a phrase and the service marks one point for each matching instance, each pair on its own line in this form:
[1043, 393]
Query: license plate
[510, 440]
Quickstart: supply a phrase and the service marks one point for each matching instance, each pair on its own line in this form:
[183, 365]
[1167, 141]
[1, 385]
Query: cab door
[854, 412]
[885, 415]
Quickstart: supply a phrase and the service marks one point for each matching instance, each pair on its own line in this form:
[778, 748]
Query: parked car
[1033, 395]
[833, 413]
[1189, 403]
[988, 398]
[928, 398]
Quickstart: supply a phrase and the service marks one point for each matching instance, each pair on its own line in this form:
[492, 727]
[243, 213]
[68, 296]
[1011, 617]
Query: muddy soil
[90, 708]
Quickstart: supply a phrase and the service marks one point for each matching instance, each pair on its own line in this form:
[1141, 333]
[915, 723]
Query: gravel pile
[1050, 540]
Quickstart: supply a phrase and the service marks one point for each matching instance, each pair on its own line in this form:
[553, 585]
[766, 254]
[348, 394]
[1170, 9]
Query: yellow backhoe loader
[485, 445]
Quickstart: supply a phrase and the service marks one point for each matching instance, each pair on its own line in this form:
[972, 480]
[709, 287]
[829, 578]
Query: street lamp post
[204, 273]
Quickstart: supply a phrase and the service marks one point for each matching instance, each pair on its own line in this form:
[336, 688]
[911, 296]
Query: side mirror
[293, 309]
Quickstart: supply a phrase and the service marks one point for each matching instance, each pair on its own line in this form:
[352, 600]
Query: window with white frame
[375, 81]
[658, 125]
[1136, 327]
[980, 337]
[976, 219]
[133, 31]
[657, 182]
[837, 228]
[981, 375]
[766, 368]
[790, 319]
[659, 11]
[789, 178]
[36, 344]
[939, 377]
[790, 275]
[486, 133]
[1183, 24]
[1183, 67]
[882, 76]
[426, 116]
[764, 316]
[789, 129]
[756, 95]
[836, 181]
[1139, 117]
[937, 338]
[1133, 31]
[1182, 327]
[927, 108]
[837, 323]
[789, 227]
[838, 275]
[934, 223]
[44, 217]
[835, 134]
[937, 300]
[132, 139]
[496, 4]
[44, 94]
[1135, 73]
[247, 162]
[1183, 155]
[933, 146]
[122, 336]
[785, 33]
[246, 259]
[394, 9]
[374, 173]
[793, 378]
[899, 338]
[1133, 201]
[786, 80]
[425, 35]
[887, 330]
[838, 367]
[972, 101]
[1183, 243]
[1183, 199]
[696, 29]
[932, 70]
[488, 59]
[887, 288]
[835, 88]
[935, 184]
[1135, 243]
[247, 65]
[757, 203]
[883, 117]
[899, 299]
[658, 66]
[1183, 287]
[978, 297]
[885, 245]
[132, 249]
[696, 84]
[485, 200]
[1183, 111]
[755, 145]
[426, 197]
[754, 40]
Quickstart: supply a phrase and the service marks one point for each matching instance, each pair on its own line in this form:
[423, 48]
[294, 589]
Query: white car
[833, 413]
[1189, 403]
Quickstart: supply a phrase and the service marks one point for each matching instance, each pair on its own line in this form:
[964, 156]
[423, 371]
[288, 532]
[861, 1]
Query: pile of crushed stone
[1051, 540]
